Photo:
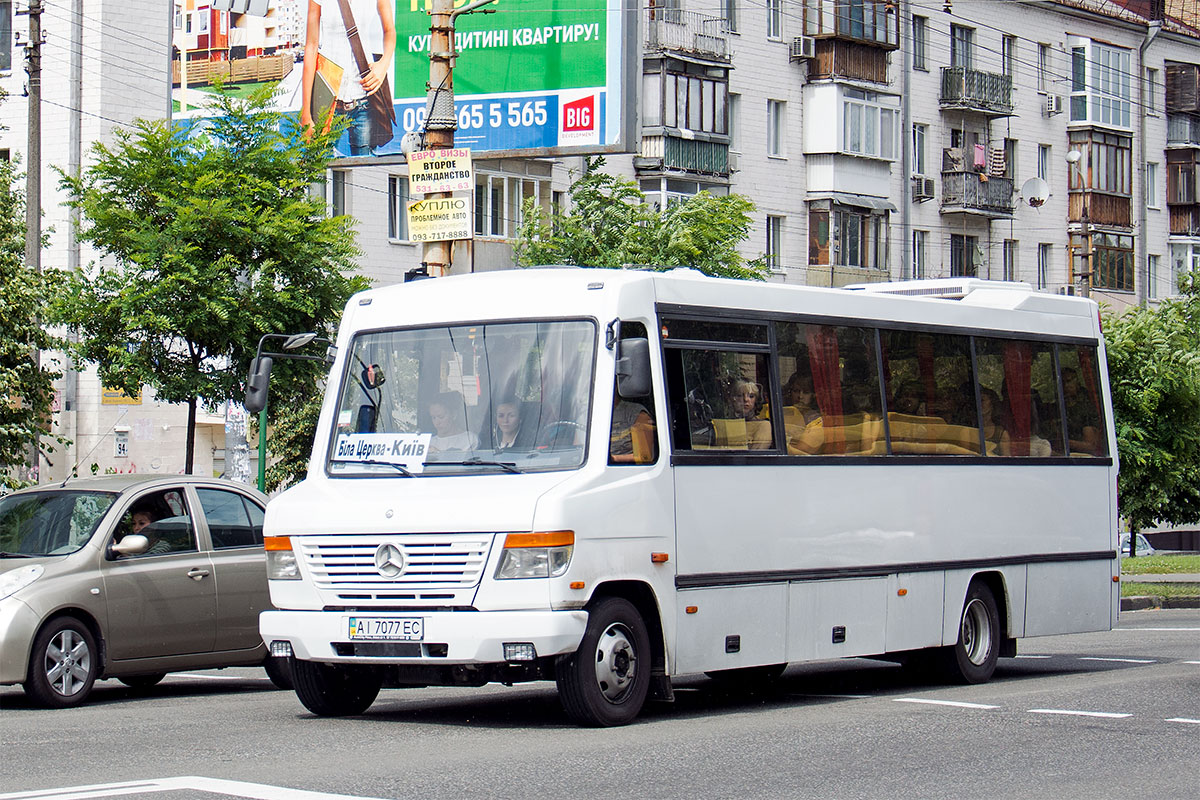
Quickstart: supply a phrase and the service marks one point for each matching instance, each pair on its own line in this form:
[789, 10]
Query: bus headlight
[281, 561]
[535, 555]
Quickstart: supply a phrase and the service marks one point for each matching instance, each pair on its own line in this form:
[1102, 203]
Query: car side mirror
[256, 384]
[133, 544]
[633, 368]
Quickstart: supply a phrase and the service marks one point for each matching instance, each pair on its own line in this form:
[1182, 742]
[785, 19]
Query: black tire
[604, 683]
[972, 659]
[748, 677]
[142, 681]
[279, 670]
[332, 690]
[63, 664]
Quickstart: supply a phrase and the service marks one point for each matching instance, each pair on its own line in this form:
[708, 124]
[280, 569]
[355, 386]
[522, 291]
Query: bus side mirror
[256, 385]
[633, 368]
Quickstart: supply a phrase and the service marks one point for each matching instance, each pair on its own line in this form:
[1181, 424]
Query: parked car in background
[1144, 548]
[129, 577]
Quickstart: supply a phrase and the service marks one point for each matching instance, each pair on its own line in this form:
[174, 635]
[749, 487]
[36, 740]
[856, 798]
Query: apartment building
[1055, 142]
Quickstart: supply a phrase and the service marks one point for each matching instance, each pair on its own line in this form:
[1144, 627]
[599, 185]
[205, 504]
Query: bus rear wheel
[333, 690]
[604, 683]
[972, 659]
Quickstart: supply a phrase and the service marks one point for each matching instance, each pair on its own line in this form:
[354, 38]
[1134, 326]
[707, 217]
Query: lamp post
[260, 374]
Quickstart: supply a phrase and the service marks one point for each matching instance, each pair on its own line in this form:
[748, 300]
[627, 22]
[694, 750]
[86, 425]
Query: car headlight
[281, 560]
[15, 580]
[535, 555]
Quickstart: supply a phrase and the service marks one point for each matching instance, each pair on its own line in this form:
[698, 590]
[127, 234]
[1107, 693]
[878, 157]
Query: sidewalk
[1156, 601]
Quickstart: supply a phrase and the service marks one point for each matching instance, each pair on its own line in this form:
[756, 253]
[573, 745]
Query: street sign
[443, 219]
[440, 171]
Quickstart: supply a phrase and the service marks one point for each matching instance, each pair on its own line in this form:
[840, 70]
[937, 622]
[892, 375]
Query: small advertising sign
[440, 171]
[407, 450]
[443, 219]
[117, 397]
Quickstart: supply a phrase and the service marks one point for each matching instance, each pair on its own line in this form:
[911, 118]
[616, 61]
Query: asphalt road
[1111, 715]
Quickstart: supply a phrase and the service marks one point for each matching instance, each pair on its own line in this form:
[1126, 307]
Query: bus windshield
[491, 398]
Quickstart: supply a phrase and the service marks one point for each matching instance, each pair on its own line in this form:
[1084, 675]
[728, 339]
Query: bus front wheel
[972, 659]
[332, 690]
[604, 683]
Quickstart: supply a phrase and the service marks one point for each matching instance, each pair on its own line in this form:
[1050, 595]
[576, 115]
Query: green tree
[1154, 370]
[611, 225]
[26, 388]
[216, 239]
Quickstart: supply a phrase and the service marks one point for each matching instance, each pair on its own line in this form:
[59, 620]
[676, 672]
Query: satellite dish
[1035, 191]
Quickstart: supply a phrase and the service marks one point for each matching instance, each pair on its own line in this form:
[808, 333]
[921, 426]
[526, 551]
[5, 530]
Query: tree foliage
[611, 225]
[26, 387]
[1154, 369]
[216, 239]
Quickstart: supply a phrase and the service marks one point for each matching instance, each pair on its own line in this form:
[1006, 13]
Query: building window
[178, 15]
[775, 128]
[1151, 185]
[398, 208]
[774, 242]
[1181, 177]
[963, 256]
[1152, 277]
[1151, 91]
[920, 42]
[920, 136]
[337, 192]
[687, 97]
[1106, 164]
[1010, 260]
[1043, 68]
[962, 42]
[735, 133]
[1101, 87]
[188, 24]
[1043, 162]
[868, 125]
[1184, 258]
[6, 36]
[920, 262]
[870, 21]
[202, 17]
[729, 14]
[1010, 159]
[774, 19]
[1008, 55]
[860, 238]
[1112, 262]
[1043, 272]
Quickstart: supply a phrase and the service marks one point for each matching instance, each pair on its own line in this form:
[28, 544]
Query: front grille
[438, 568]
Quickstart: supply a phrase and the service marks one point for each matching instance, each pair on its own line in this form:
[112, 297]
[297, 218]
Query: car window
[230, 522]
[164, 519]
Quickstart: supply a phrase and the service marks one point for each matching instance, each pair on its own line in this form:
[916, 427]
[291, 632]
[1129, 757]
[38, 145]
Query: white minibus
[609, 478]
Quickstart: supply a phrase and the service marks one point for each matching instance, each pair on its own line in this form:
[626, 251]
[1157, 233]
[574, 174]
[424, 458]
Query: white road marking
[253, 791]
[953, 703]
[1120, 660]
[1185, 721]
[1192, 662]
[210, 677]
[1070, 713]
[1164, 630]
[1023, 656]
[835, 696]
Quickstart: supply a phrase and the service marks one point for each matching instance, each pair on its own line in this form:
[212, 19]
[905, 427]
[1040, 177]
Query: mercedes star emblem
[389, 560]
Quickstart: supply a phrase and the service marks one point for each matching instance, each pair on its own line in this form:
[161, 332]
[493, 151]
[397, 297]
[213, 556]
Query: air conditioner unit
[922, 188]
[1066, 290]
[732, 162]
[1054, 104]
[803, 48]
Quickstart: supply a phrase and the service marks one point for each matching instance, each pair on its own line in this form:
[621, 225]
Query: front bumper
[18, 624]
[475, 637]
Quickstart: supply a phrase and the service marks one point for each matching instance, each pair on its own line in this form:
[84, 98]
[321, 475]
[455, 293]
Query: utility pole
[33, 171]
[440, 118]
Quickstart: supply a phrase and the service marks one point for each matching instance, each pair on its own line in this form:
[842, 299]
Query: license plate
[404, 629]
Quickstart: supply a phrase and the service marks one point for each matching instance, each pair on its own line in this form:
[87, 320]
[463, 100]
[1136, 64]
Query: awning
[860, 200]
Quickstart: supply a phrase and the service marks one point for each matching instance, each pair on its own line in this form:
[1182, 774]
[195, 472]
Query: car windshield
[497, 398]
[50, 523]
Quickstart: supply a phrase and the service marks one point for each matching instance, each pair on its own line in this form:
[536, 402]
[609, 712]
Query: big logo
[580, 115]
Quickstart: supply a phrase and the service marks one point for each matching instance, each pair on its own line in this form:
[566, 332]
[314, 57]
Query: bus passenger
[994, 432]
[798, 394]
[446, 413]
[908, 399]
[746, 399]
[508, 424]
[630, 421]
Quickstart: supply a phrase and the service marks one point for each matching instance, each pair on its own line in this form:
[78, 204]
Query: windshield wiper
[6, 554]
[399, 468]
[507, 466]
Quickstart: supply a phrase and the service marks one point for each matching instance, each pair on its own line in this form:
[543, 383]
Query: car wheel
[972, 659]
[279, 670]
[142, 681]
[63, 665]
[333, 690]
[604, 683]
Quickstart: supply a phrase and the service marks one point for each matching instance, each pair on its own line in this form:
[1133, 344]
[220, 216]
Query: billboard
[534, 78]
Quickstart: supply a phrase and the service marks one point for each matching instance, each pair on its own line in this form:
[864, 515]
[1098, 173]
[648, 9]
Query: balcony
[1185, 220]
[976, 193]
[671, 30]
[1183, 130]
[669, 153]
[1100, 208]
[986, 93]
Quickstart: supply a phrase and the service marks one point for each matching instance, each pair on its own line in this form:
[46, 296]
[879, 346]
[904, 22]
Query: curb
[1145, 602]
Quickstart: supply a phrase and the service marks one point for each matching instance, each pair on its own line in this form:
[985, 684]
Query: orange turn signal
[1116, 578]
[277, 543]
[658, 558]
[545, 539]
[691, 609]
[901, 592]
[576, 584]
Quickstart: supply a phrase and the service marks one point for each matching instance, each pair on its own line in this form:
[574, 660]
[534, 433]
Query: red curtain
[1087, 365]
[1018, 369]
[827, 382]
[925, 365]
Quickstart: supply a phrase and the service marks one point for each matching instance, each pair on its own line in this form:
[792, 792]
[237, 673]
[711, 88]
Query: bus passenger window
[1081, 399]
[931, 394]
[1018, 396]
[724, 399]
[633, 437]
